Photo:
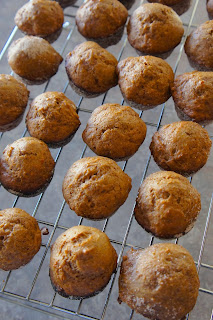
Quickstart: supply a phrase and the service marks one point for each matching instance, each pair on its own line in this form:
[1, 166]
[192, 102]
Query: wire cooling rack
[30, 286]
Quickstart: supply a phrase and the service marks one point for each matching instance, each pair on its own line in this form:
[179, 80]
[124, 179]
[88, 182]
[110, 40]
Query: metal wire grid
[51, 308]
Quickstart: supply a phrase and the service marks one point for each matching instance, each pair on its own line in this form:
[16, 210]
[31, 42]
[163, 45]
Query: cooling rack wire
[64, 308]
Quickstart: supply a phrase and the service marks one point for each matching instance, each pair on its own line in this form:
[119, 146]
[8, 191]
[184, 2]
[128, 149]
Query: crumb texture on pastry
[199, 46]
[26, 166]
[145, 80]
[100, 18]
[154, 28]
[52, 117]
[91, 68]
[192, 94]
[40, 17]
[182, 147]
[82, 261]
[160, 282]
[33, 58]
[95, 187]
[167, 204]
[20, 238]
[114, 131]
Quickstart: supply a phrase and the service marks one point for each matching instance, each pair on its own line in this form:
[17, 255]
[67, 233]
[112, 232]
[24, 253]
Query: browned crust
[26, 167]
[192, 94]
[82, 261]
[182, 147]
[95, 187]
[167, 205]
[33, 59]
[114, 131]
[52, 118]
[154, 28]
[13, 101]
[145, 81]
[199, 47]
[20, 238]
[63, 293]
[40, 18]
[91, 68]
[159, 282]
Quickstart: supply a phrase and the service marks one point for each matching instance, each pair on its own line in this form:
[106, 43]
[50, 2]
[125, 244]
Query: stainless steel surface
[30, 286]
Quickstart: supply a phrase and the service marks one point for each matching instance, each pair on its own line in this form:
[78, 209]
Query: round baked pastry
[114, 131]
[95, 187]
[82, 261]
[20, 238]
[91, 69]
[182, 147]
[52, 118]
[26, 167]
[40, 18]
[209, 6]
[167, 205]
[33, 59]
[193, 98]
[13, 101]
[154, 29]
[199, 47]
[102, 20]
[145, 81]
[160, 282]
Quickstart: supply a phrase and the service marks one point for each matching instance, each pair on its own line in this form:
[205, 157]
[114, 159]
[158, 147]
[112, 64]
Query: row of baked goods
[162, 198]
[167, 205]
[159, 282]
[95, 187]
[102, 21]
[144, 81]
[147, 80]
[152, 29]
